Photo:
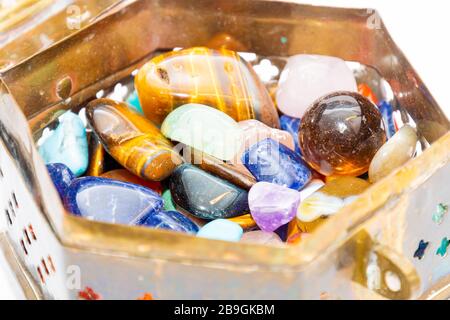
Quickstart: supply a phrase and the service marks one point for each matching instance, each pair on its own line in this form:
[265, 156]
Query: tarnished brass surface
[326, 264]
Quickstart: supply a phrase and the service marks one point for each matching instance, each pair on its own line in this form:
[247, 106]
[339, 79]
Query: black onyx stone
[206, 196]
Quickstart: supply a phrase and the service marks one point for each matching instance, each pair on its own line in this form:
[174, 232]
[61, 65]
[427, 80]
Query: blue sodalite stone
[112, 201]
[169, 220]
[61, 177]
[133, 101]
[291, 125]
[221, 229]
[67, 144]
[386, 111]
[273, 162]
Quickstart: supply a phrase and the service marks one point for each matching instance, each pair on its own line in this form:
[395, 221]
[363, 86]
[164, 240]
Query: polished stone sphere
[340, 134]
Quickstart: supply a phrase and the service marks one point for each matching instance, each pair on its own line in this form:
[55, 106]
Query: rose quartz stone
[255, 131]
[261, 237]
[306, 78]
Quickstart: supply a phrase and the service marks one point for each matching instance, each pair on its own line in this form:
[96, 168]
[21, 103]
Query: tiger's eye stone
[126, 176]
[206, 196]
[394, 153]
[328, 200]
[224, 40]
[96, 157]
[205, 129]
[132, 140]
[245, 221]
[340, 134]
[217, 78]
[219, 168]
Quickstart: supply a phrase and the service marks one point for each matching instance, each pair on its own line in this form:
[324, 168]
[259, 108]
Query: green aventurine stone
[205, 129]
[169, 205]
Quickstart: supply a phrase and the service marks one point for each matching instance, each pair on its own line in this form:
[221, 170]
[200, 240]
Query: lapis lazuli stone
[386, 111]
[133, 101]
[112, 201]
[169, 220]
[67, 144]
[291, 125]
[61, 177]
[221, 229]
[273, 162]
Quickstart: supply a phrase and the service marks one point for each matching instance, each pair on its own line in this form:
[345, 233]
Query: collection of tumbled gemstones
[204, 146]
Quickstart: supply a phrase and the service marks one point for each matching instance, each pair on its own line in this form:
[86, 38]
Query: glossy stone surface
[245, 221]
[224, 40]
[331, 198]
[96, 157]
[126, 176]
[61, 177]
[219, 168]
[340, 134]
[221, 229]
[273, 162]
[367, 92]
[170, 220]
[393, 154]
[294, 233]
[306, 78]
[206, 196]
[112, 201]
[272, 206]
[291, 125]
[262, 237]
[205, 129]
[217, 78]
[133, 141]
[67, 144]
[310, 188]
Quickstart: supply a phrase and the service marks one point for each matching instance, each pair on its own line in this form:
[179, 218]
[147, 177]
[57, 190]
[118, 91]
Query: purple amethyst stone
[272, 205]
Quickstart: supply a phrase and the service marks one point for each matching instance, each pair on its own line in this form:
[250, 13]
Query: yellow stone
[393, 154]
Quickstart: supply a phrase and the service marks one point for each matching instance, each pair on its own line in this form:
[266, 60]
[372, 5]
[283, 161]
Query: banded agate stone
[132, 140]
[340, 134]
[206, 196]
[217, 78]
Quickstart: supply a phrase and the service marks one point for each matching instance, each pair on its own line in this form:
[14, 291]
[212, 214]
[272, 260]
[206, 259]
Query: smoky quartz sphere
[340, 134]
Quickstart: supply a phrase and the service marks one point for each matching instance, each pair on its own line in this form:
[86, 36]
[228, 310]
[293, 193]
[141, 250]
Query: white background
[420, 28]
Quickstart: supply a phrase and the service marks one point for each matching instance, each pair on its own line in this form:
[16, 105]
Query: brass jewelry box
[366, 251]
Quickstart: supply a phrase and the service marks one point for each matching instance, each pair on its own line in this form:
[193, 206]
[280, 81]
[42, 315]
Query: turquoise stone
[442, 250]
[221, 229]
[206, 196]
[133, 101]
[169, 220]
[67, 144]
[113, 201]
[205, 129]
